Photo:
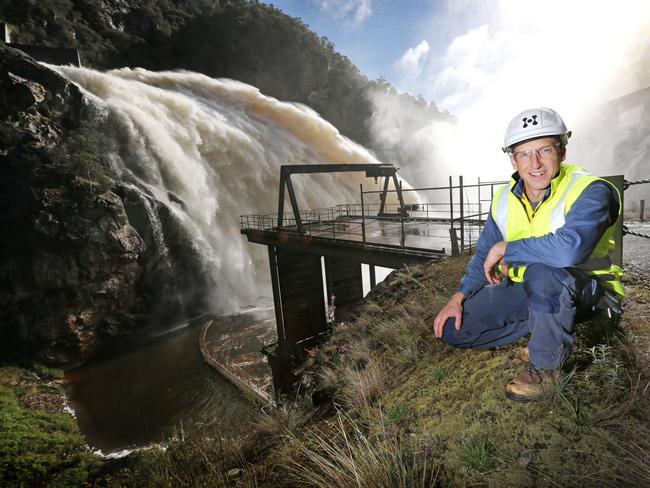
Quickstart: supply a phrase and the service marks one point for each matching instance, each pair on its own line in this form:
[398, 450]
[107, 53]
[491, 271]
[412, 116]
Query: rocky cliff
[75, 274]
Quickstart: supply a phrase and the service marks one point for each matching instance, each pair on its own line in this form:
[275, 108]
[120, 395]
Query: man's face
[537, 162]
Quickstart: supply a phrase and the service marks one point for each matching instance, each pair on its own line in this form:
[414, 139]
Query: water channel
[150, 390]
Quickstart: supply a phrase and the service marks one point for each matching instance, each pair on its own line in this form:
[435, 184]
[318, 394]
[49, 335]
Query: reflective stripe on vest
[557, 218]
[557, 214]
[501, 210]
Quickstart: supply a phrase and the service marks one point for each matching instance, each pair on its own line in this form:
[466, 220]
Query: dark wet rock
[76, 276]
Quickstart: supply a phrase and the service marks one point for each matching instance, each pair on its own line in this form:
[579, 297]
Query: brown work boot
[523, 355]
[531, 385]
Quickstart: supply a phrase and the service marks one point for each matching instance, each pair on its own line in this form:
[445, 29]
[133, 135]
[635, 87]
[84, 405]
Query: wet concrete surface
[233, 346]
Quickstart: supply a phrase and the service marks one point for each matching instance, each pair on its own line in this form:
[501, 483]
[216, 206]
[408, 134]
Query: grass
[396, 413]
[204, 462]
[478, 455]
[285, 421]
[458, 396]
[438, 373]
[406, 410]
[346, 455]
[39, 446]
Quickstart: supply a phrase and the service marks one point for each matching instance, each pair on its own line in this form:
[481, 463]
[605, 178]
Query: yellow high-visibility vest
[514, 222]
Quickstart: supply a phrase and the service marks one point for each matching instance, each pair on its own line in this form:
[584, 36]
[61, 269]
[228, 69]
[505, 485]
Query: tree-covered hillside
[244, 40]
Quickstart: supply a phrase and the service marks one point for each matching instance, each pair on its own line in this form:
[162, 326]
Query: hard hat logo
[533, 124]
[532, 121]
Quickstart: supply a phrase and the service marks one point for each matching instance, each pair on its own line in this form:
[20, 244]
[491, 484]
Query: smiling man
[543, 257]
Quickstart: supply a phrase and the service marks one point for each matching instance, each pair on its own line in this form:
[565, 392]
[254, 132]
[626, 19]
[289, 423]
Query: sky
[434, 47]
[374, 34]
[487, 60]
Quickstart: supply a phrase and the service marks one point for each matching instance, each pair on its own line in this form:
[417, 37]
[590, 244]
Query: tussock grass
[397, 413]
[362, 386]
[346, 456]
[457, 396]
[284, 421]
[438, 373]
[635, 455]
[197, 462]
[478, 454]
[329, 377]
[397, 336]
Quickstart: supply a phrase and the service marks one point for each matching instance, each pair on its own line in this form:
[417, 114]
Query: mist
[501, 57]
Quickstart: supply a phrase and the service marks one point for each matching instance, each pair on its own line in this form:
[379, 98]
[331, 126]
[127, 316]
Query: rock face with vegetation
[69, 258]
[75, 274]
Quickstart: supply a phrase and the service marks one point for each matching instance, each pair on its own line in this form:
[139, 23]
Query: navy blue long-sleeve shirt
[595, 209]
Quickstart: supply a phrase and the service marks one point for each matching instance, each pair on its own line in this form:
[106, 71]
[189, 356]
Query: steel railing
[464, 209]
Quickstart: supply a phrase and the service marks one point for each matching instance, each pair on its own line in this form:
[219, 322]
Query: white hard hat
[534, 123]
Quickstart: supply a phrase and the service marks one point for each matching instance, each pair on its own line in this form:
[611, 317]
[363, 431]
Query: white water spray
[504, 56]
[211, 150]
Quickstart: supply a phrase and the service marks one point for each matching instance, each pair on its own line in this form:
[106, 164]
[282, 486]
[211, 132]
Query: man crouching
[543, 257]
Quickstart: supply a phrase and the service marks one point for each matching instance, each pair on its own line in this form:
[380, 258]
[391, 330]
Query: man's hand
[454, 308]
[492, 260]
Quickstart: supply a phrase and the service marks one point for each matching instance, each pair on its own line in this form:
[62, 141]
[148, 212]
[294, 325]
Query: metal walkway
[373, 240]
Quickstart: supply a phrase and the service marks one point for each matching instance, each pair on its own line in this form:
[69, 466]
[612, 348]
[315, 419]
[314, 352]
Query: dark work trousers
[544, 305]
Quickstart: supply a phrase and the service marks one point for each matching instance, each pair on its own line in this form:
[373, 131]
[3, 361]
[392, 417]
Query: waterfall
[209, 150]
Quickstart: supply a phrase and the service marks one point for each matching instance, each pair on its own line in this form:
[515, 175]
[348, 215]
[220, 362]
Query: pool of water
[151, 391]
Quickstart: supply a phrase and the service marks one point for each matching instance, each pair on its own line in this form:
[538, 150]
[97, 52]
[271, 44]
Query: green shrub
[46, 372]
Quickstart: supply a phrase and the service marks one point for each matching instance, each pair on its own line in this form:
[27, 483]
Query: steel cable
[627, 184]
[627, 231]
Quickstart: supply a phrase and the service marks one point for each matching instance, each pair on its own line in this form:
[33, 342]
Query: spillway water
[210, 150]
[207, 150]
